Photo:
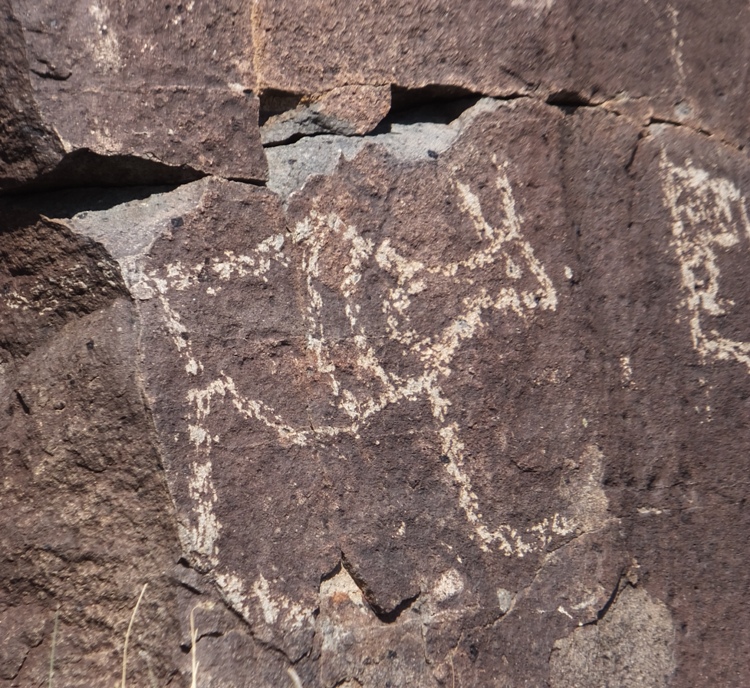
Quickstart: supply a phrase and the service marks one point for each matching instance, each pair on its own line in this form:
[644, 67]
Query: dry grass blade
[52, 651]
[295, 677]
[193, 640]
[127, 637]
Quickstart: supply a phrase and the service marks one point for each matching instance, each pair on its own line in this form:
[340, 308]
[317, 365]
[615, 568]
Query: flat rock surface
[372, 450]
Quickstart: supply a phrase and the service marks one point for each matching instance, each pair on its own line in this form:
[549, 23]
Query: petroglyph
[361, 395]
[678, 44]
[537, 7]
[274, 605]
[366, 337]
[106, 49]
[709, 219]
[205, 532]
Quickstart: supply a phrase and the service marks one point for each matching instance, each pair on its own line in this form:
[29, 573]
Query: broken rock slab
[495, 51]
[169, 89]
[407, 139]
[348, 111]
[668, 60]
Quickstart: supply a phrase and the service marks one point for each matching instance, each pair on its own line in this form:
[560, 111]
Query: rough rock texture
[680, 61]
[456, 398]
[632, 646]
[349, 110]
[159, 85]
[27, 147]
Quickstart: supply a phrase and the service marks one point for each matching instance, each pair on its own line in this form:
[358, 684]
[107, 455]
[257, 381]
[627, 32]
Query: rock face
[165, 92]
[446, 386]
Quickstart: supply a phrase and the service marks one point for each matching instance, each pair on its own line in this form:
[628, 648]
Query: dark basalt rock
[168, 88]
[674, 61]
[456, 399]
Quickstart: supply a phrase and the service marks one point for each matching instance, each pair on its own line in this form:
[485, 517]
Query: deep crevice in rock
[275, 102]
[64, 203]
[50, 71]
[84, 168]
[634, 153]
[567, 98]
[431, 104]
[404, 98]
[244, 180]
[387, 616]
[23, 403]
[439, 110]
[393, 615]
[621, 583]
[423, 132]
[332, 573]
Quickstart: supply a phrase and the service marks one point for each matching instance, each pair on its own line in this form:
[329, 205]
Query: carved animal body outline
[502, 246]
[500, 256]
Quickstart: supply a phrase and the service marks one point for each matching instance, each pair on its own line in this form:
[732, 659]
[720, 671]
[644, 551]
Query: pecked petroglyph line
[273, 604]
[502, 249]
[257, 265]
[106, 47]
[677, 45]
[507, 539]
[536, 7]
[709, 216]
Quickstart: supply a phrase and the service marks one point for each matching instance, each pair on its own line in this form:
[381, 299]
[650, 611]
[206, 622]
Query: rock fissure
[52, 74]
[608, 604]
[22, 402]
[386, 616]
[449, 107]
[82, 168]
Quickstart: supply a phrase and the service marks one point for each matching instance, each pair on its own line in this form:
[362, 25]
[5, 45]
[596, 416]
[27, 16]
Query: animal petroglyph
[709, 219]
[369, 386]
[380, 330]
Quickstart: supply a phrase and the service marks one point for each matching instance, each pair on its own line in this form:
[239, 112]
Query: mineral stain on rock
[444, 386]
